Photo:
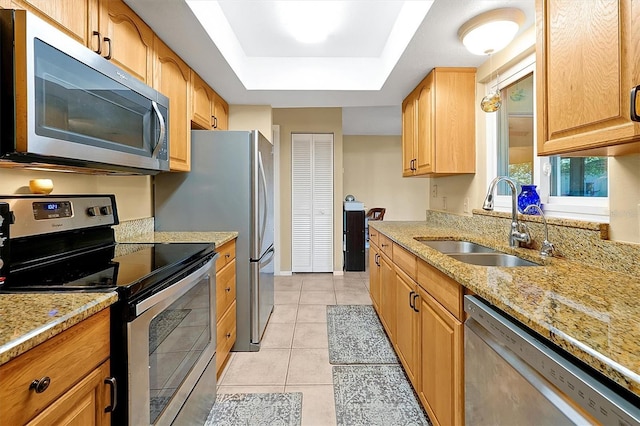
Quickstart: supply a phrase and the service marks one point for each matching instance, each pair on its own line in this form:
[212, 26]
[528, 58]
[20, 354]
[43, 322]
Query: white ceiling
[369, 63]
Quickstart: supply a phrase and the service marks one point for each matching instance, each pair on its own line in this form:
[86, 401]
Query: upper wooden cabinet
[586, 65]
[209, 110]
[77, 19]
[127, 40]
[220, 114]
[438, 124]
[172, 78]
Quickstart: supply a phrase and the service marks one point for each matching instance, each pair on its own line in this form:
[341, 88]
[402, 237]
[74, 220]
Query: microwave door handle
[163, 129]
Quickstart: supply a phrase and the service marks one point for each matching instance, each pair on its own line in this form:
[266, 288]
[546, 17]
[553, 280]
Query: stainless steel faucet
[547, 249]
[519, 234]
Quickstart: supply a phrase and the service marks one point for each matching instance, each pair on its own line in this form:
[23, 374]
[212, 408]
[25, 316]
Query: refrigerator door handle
[263, 226]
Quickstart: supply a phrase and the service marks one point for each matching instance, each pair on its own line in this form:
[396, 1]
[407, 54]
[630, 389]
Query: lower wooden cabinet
[441, 350]
[225, 303]
[407, 343]
[421, 310]
[82, 405]
[374, 276]
[62, 381]
[388, 296]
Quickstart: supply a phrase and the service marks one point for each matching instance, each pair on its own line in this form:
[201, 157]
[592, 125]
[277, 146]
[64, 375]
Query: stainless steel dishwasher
[514, 378]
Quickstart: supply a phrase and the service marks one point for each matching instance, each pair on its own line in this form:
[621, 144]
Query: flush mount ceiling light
[491, 31]
[310, 21]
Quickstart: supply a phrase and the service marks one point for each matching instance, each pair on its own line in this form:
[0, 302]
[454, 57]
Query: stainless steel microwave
[63, 106]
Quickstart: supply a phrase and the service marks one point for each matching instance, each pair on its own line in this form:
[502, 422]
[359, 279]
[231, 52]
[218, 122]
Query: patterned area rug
[375, 395]
[257, 409]
[356, 336]
[162, 325]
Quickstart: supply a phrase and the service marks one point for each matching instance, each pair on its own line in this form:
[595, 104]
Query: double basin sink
[475, 254]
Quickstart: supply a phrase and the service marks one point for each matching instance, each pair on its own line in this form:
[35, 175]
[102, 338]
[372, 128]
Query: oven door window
[178, 335]
[77, 103]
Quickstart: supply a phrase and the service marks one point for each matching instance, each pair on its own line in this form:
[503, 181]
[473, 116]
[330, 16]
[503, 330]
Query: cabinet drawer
[386, 245]
[405, 260]
[225, 288]
[227, 254]
[65, 358]
[373, 236]
[445, 290]
[226, 335]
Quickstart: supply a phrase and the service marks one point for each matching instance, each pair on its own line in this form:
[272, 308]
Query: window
[571, 187]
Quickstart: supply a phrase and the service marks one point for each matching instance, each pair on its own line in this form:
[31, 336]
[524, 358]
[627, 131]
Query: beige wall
[250, 117]
[373, 174]
[624, 172]
[308, 120]
[133, 193]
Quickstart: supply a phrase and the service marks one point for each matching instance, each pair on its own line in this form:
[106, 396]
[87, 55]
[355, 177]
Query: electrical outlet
[465, 206]
[434, 191]
[444, 203]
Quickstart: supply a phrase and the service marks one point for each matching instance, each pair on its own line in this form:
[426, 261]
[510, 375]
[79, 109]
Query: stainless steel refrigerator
[229, 188]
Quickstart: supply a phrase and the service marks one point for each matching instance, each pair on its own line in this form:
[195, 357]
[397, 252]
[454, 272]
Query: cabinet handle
[108, 41]
[111, 381]
[40, 385]
[228, 335]
[411, 299]
[99, 51]
[228, 289]
[228, 255]
[215, 122]
[415, 296]
[634, 114]
[384, 245]
[377, 259]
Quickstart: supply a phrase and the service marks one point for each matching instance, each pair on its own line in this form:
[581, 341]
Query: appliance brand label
[122, 76]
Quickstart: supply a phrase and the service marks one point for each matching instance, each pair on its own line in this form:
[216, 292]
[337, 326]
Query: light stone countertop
[26, 320]
[592, 313]
[218, 238]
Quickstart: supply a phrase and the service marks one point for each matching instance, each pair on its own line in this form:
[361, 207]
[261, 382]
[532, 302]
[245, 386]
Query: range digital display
[51, 210]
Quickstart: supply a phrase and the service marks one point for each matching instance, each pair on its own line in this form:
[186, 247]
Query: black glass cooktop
[131, 269]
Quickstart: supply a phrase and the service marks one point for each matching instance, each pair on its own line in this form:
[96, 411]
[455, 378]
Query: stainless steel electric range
[163, 326]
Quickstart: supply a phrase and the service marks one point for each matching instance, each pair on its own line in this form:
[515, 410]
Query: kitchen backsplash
[579, 241]
[129, 229]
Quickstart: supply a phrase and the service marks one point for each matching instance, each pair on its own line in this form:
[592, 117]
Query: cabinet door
[72, 17]
[407, 335]
[83, 405]
[172, 78]
[220, 114]
[202, 101]
[587, 63]
[374, 276]
[408, 136]
[127, 40]
[425, 136]
[441, 385]
[388, 296]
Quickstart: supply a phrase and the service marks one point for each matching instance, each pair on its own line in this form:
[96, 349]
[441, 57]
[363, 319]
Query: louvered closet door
[312, 202]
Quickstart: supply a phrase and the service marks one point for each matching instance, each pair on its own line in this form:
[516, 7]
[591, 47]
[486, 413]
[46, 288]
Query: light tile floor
[294, 356]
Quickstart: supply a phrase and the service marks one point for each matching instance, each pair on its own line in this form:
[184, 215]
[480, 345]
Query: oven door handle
[176, 289]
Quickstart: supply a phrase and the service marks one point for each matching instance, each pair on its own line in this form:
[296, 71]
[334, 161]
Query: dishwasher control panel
[595, 398]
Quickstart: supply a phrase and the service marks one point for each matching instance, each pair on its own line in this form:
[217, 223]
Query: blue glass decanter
[528, 195]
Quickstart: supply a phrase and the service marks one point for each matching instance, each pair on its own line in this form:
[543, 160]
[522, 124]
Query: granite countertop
[590, 312]
[218, 238]
[26, 320]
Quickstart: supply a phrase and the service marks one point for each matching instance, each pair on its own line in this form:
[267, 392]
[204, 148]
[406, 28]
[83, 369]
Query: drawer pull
[385, 245]
[40, 385]
[228, 289]
[228, 335]
[228, 255]
[111, 381]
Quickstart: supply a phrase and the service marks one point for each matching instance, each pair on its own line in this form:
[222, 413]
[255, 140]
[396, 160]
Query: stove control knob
[93, 211]
[106, 210]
